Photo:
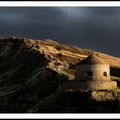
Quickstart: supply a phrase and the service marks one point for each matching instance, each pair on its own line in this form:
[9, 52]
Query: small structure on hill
[92, 73]
[92, 68]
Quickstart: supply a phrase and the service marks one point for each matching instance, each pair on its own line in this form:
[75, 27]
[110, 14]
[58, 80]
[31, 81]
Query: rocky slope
[30, 71]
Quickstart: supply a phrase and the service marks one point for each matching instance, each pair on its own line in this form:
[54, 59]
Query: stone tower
[94, 74]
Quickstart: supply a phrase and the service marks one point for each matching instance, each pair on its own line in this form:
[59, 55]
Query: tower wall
[93, 72]
[100, 72]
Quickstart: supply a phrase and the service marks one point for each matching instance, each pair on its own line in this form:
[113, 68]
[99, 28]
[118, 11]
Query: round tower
[92, 73]
[92, 68]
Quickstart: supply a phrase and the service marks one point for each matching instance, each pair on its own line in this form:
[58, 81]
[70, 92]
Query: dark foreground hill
[30, 75]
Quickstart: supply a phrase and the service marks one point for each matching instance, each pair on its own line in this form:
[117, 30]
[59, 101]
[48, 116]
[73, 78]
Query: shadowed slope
[30, 69]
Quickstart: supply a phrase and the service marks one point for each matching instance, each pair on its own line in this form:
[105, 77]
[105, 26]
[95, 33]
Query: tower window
[89, 73]
[105, 74]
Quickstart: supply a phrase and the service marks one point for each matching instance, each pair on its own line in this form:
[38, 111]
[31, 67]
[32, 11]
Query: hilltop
[59, 54]
[30, 70]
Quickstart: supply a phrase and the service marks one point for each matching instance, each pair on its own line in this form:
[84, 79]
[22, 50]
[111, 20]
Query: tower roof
[92, 59]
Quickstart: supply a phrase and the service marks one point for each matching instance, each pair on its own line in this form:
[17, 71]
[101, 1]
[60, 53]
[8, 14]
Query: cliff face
[30, 71]
[24, 77]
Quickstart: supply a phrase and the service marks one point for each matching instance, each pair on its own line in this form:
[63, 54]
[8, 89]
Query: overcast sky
[95, 28]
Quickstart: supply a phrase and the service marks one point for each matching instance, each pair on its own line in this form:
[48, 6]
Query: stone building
[92, 73]
[92, 68]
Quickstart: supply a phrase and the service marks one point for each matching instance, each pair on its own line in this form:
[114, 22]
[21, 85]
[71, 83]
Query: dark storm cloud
[105, 10]
[94, 28]
[39, 23]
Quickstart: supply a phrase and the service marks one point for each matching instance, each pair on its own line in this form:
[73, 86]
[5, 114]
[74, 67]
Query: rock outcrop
[30, 71]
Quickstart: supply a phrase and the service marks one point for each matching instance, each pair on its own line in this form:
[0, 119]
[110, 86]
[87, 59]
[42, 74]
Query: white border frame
[59, 4]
